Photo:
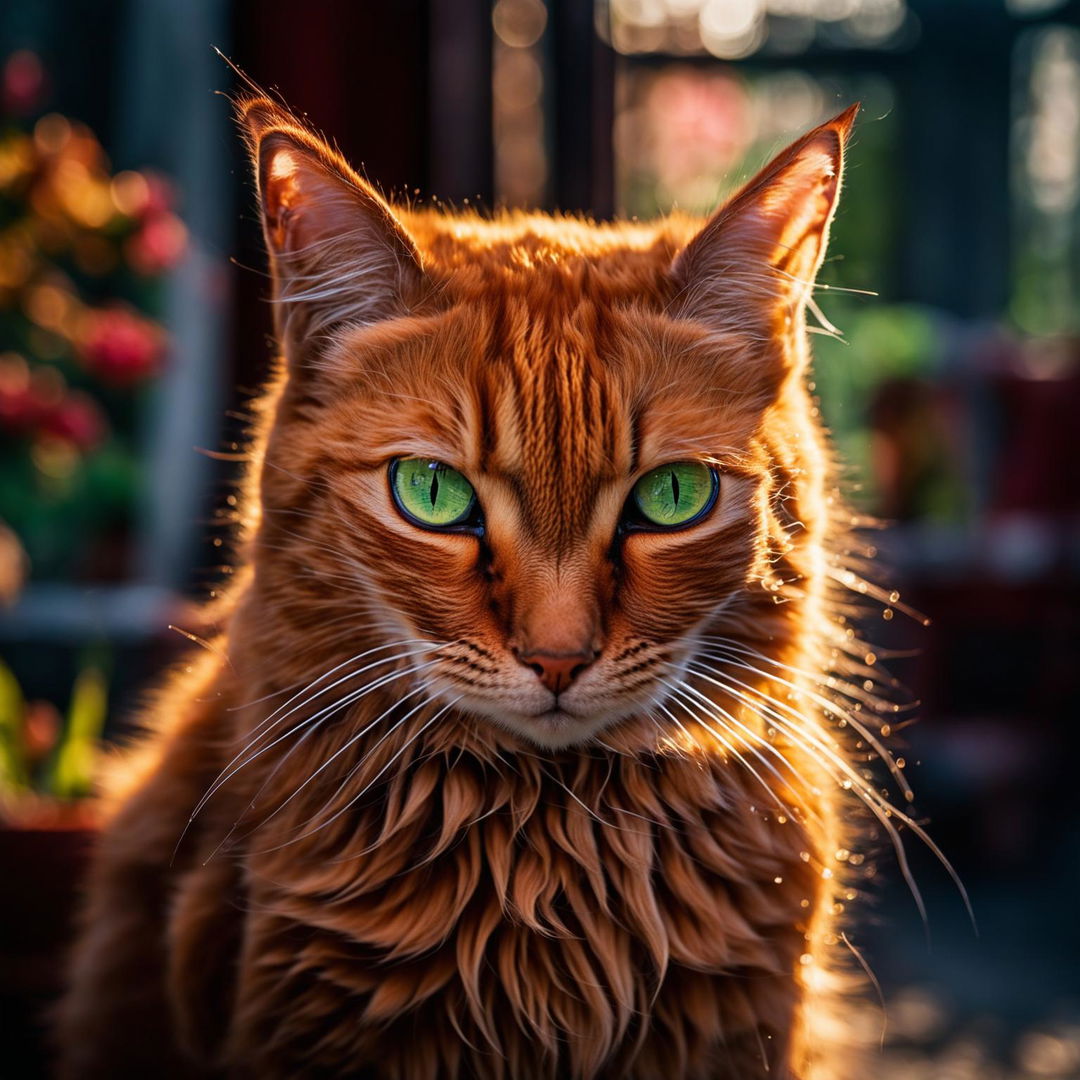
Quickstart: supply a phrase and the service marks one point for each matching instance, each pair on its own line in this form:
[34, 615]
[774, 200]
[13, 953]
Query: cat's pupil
[675, 488]
[434, 492]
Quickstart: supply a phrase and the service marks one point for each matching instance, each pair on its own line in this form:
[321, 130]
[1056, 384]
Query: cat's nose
[557, 670]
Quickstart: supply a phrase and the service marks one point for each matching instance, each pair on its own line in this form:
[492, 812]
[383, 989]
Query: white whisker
[878, 805]
[360, 794]
[236, 764]
[830, 706]
[757, 739]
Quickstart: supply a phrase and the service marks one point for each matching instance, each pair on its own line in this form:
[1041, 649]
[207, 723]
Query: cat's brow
[417, 444]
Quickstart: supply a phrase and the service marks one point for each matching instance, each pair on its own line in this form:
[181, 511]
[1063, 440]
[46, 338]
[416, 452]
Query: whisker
[360, 794]
[730, 748]
[878, 805]
[285, 758]
[869, 972]
[346, 700]
[874, 802]
[229, 770]
[236, 764]
[396, 726]
[265, 697]
[338, 667]
[351, 741]
[850, 580]
[758, 739]
[828, 705]
[303, 738]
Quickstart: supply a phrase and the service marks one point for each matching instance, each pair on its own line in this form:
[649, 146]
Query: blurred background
[134, 331]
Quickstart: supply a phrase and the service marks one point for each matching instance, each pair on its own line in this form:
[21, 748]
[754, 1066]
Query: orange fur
[439, 878]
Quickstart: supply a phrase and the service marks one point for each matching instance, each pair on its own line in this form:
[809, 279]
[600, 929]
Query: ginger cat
[521, 750]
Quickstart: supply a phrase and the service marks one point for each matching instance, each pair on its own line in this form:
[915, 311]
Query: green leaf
[73, 769]
[14, 774]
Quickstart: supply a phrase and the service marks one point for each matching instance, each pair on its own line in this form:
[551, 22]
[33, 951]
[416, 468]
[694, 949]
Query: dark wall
[359, 73]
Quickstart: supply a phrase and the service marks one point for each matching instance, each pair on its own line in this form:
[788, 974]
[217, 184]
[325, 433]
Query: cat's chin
[552, 729]
[557, 729]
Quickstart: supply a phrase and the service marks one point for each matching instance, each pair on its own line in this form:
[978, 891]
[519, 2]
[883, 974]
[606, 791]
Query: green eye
[431, 493]
[675, 494]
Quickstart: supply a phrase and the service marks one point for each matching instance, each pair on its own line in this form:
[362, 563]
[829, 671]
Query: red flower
[77, 420]
[158, 244]
[42, 725]
[120, 347]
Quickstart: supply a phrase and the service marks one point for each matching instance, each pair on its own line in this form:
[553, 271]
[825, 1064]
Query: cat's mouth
[552, 724]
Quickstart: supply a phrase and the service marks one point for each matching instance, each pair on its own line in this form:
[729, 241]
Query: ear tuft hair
[338, 254]
[757, 257]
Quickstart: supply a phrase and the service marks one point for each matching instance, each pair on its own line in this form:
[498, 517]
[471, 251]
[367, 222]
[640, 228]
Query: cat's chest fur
[641, 906]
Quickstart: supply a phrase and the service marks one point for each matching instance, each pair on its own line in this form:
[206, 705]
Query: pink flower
[121, 347]
[158, 245]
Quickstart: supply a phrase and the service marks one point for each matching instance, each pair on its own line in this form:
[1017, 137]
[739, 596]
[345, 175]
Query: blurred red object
[77, 420]
[120, 347]
[19, 410]
[158, 244]
[27, 395]
[23, 82]
[1037, 400]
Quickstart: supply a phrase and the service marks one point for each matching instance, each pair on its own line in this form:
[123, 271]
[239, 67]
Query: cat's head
[560, 452]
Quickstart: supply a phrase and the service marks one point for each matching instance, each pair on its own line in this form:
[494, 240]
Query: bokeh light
[733, 29]
[521, 163]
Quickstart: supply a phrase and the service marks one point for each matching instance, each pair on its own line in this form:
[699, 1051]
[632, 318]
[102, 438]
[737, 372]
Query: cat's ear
[753, 264]
[337, 253]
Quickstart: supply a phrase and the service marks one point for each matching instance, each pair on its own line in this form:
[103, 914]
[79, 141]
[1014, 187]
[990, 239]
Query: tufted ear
[337, 253]
[753, 264]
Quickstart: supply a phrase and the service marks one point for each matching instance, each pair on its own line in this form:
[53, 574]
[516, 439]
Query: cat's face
[545, 501]
[535, 445]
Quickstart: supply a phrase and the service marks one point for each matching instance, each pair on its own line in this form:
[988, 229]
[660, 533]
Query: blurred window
[1046, 181]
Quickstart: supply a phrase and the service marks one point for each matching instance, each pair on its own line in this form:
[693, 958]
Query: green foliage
[39, 754]
[14, 773]
[879, 342]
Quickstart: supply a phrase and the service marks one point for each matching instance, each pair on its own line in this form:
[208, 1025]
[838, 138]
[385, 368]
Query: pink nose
[557, 670]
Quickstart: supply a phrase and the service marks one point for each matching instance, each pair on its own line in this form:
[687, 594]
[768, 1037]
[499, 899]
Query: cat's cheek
[432, 582]
[427, 579]
[671, 587]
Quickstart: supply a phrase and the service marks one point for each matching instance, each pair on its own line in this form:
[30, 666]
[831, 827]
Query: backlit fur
[403, 860]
